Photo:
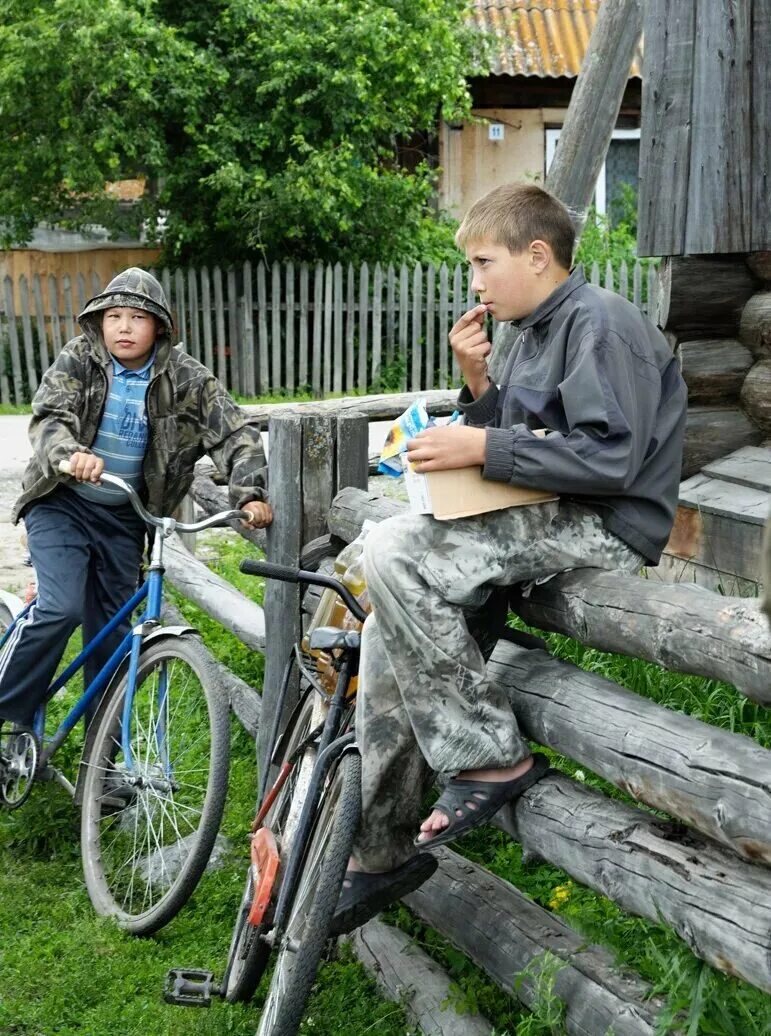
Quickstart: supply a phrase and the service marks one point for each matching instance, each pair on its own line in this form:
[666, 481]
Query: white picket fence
[282, 328]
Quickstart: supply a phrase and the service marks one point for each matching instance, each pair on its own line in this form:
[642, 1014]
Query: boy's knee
[395, 538]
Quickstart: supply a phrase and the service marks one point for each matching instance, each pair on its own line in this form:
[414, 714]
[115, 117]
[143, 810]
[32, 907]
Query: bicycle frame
[151, 591]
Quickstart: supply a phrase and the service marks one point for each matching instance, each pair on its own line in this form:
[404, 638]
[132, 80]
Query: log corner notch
[713, 781]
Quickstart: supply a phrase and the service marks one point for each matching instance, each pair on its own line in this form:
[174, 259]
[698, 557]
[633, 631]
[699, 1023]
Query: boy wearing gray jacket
[596, 374]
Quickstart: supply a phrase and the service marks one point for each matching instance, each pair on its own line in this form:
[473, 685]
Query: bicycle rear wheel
[151, 811]
[313, 907]
[249, 953]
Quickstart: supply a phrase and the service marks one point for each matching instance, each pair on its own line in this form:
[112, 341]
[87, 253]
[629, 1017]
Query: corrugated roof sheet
[540, 37]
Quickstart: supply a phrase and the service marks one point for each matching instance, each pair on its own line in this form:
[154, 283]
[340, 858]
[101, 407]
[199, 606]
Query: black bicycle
[302, 836]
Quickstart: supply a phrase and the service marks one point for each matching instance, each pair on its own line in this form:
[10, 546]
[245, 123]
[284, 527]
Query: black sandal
[365, 895]
[478, 801]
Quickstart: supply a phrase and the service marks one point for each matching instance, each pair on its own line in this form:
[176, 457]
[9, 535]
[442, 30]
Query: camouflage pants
[425, 703]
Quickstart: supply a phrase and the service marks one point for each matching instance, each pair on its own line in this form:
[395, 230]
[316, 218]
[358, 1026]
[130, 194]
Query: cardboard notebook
[462, 492]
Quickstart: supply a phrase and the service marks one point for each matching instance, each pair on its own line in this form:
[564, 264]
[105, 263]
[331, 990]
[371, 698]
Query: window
[620, 165]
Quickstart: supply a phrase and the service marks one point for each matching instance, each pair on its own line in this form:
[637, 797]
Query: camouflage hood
[135, 288]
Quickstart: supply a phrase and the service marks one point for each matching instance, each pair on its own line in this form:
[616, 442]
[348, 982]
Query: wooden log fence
[703, 868]
[284, 328]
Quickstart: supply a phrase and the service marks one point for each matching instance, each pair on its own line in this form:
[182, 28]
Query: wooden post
[352, 453]
[284, 543]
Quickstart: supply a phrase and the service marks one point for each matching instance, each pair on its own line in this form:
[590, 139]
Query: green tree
[267, 127]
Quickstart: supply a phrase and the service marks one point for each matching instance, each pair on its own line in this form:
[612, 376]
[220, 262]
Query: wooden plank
[352, 448]
[712, 432]
[466, 903]
[390, 314]
[5, 358]
[13, 342]
[206, 319]
[430, 326]
[377, 327]
[719, 188]
[29, 341]
[750, 466]
[329, 358]
[457, 311]
[96, 284]
[276, 337]
[318, 471]
[742, 502]
[338, 355]
[445, 324]
[69, 309]
[235, 345]
[302, 369]
[53, 308]
[40, 324]
[416, 343]
[194, 344]
[717, 551]
[318, 330]
[363, 342]
[760, 136]
[219, 328]
[623, 279]
[609, 276]
[263, 345]
[404, 314]
[714, 369]
[80, 281]
[284, 542]
[701, 296]
[249, 364]
[350, 330]
[594, 277]
[756, 395]
[179, 310]
[669, 28]
[382, 407]
[637, 285]
[289, 320]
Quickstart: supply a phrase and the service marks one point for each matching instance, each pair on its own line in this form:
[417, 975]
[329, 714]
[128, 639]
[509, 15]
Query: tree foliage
[267, 127]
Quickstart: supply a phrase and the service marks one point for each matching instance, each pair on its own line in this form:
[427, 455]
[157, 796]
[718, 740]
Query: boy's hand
[447, 446]
[471, 346]
[86, 467]
[261, 514]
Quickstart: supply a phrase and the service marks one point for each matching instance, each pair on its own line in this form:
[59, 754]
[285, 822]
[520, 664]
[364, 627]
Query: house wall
[472, 164]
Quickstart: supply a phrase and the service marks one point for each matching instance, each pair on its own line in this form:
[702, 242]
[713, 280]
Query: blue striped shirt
[121, 439]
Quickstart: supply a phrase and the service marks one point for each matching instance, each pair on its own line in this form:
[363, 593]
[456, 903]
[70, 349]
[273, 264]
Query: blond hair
[515, 214]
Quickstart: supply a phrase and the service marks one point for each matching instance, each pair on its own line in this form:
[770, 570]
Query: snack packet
[414, 419]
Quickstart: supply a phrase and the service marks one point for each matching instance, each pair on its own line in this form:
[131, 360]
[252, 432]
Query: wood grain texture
[702, 296]
[755, 324]
[712, 432]
[756, 395]
[714, 369]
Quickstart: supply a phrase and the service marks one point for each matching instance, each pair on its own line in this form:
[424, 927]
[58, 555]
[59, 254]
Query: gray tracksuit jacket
[596, 373]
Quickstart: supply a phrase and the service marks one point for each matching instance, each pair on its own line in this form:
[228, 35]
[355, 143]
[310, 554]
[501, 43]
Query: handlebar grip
[64, 467]
[253, 567]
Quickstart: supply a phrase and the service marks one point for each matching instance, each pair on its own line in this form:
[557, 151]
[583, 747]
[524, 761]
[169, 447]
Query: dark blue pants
[86, 559]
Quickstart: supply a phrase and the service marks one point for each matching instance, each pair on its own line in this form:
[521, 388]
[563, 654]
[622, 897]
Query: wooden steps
[718, 531]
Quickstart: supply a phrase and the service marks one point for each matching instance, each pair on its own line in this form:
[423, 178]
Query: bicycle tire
[313, 906]
[174, 796]
[249, 954]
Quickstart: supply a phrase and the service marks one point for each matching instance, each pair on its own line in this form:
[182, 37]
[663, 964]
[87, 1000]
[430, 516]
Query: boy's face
[510, 285]
[129, 335]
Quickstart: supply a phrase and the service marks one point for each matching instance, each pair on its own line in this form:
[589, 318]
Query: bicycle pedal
[190, 987]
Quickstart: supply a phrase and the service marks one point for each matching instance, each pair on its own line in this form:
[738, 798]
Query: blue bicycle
[153, 774]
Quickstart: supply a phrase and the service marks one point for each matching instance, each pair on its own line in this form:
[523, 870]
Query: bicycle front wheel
[313, 907]
[153, 800]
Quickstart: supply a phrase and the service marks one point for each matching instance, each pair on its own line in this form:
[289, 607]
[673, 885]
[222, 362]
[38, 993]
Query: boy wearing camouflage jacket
[120, 397]
[601, 380]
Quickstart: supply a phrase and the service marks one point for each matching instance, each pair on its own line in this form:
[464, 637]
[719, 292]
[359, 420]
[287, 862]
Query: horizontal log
[377, 408]
[678, 626]
[214, 595]
[212, 498]
[245, 701]
[514, 940]
[715, 781]
[697, 631]
[702, 295]
[714, 368]
[718, 904]
[755, 324]
[406, 974]
[756, 395]
[760, 265]
[712, 432]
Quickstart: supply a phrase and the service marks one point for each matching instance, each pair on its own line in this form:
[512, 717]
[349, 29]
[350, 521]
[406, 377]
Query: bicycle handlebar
[287, 574]
[167, 524]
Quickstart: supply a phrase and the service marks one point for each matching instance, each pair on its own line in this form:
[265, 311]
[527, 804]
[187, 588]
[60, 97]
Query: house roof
[540, 37]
